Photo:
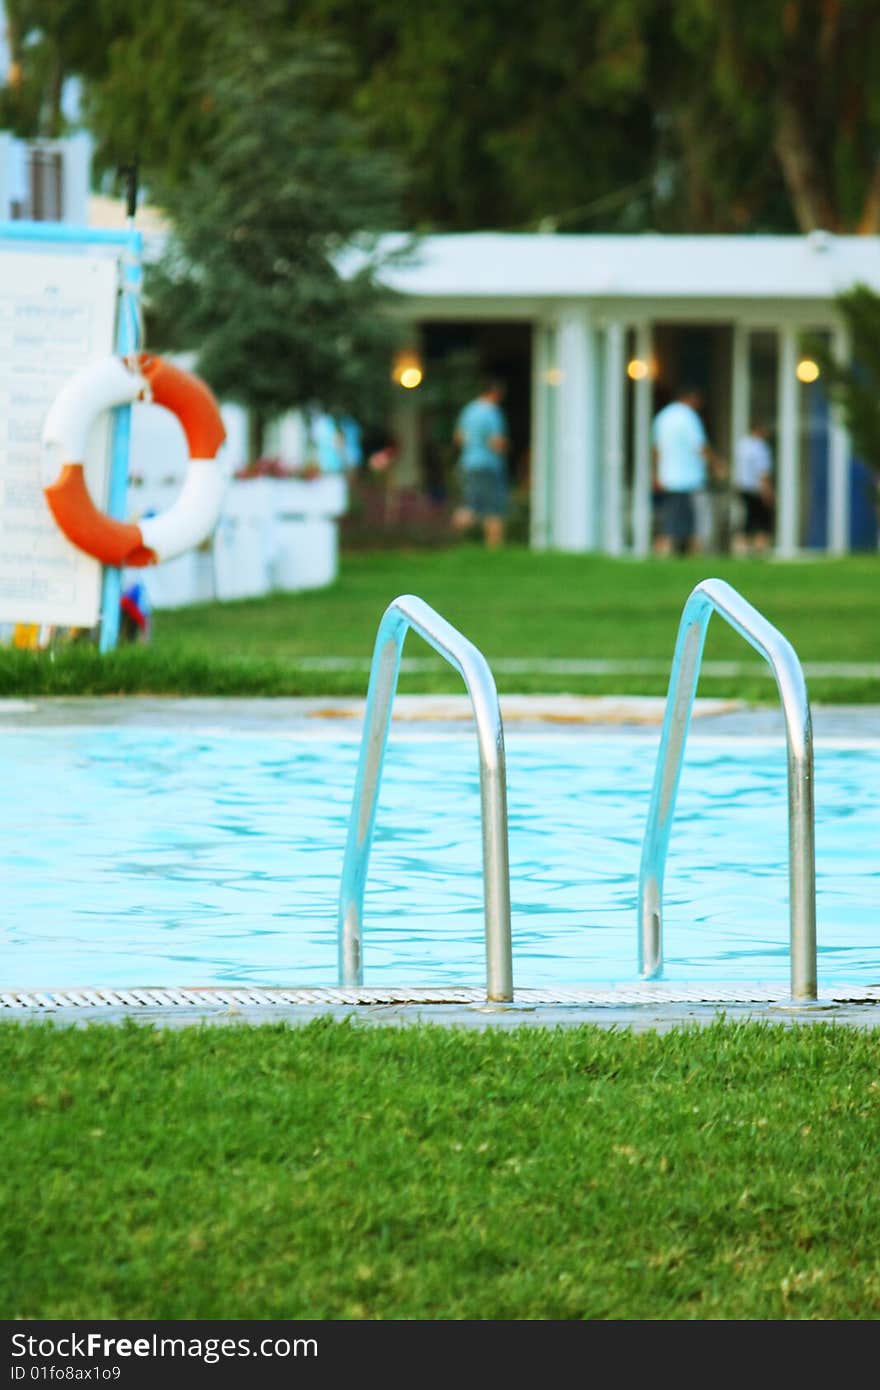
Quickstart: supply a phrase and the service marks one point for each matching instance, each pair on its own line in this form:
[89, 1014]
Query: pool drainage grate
[51, 1000]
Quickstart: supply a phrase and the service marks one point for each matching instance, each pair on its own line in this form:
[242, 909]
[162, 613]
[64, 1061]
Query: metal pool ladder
[714, 595]
[404, 613]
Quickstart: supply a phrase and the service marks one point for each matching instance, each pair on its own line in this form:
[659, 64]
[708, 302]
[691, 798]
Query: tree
[150, 101]
[785, 90]
[499, 124]
[504, 123]
[37, 34]
[140, 69]
[251, 278]
[854, 383]
[696, 115]
[676, 115]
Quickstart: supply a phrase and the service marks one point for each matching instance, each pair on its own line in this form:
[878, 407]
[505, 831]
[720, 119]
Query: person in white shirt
[755, 494]
[681, 456]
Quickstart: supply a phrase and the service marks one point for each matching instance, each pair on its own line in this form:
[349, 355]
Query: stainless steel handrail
[404, 613]
[714, 595]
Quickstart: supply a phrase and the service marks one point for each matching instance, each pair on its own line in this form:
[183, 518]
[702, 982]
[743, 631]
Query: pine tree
[251, 278]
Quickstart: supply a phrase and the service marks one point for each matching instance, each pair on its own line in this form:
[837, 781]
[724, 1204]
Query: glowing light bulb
[407, 370]
[807, 370]
[636, 369]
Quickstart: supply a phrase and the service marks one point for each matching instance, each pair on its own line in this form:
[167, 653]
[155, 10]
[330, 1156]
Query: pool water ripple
[142, 857]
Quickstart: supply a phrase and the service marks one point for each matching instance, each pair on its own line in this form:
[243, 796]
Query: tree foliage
[502, 123]
[678, 115]
[790, 86]
[47, 42]
[853, 382]
[153, 101]
[695, 115]
[251, 279]
[139, 68]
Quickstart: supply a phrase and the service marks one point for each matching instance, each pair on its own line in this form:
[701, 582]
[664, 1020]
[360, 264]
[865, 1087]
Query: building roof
[553, 265]
[516, 265]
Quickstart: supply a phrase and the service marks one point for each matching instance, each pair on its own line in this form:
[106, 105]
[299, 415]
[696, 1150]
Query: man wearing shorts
[753, 481]
[481, 436]
[681, 455]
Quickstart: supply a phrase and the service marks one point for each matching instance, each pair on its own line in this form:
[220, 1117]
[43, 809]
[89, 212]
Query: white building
[594, 333]
[45, 180]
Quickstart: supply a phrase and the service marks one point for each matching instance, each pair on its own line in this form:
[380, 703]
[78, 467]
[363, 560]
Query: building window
[45, 184]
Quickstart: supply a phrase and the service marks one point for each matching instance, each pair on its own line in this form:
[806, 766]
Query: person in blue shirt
[682, 458]
[481, 436]
[336, 442]
[328, 443]
[352, 437]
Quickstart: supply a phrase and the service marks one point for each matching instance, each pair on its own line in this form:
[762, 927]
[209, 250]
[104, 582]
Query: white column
[575, 492]
[76, 161]
[839, 449]
[642, 446]
[612, 527]
[406, 420]
[787, 480]
[740, 413]
[541, 469]
[5, 171]
[740, 390]
[593, 457]
[405, 428]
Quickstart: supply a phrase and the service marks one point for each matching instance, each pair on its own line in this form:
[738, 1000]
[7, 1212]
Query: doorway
[457, 356]
[701, 355]
[698, 355]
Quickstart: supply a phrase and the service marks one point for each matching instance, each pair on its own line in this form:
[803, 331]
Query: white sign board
[57, 312]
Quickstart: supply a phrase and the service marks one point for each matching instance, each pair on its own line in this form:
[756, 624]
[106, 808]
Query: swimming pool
[153, 857]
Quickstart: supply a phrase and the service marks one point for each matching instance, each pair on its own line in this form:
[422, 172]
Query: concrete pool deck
[638, 1009]
[521, 713]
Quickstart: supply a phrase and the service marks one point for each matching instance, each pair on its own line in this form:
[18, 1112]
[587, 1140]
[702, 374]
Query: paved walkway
[598, 666]
[599, 714]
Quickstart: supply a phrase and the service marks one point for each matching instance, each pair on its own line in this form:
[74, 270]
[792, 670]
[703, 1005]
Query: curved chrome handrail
[404, 613]
[714, 595]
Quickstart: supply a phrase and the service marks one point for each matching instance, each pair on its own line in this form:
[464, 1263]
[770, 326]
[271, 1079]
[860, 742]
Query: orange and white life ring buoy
[114, 381]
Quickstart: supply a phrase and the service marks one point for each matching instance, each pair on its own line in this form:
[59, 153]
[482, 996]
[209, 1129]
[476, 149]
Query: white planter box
[325, 496]
[273, 533]
[306, 554]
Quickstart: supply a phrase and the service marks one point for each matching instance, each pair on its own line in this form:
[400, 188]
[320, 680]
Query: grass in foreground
[517, 603]
[339, 1172]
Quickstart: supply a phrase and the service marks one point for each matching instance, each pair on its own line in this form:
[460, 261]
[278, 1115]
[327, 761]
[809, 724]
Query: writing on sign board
[57, 312]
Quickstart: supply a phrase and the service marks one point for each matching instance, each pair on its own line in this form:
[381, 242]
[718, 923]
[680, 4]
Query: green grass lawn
[339, 1172]
[516, 603]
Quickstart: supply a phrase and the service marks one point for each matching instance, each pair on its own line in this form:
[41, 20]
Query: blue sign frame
[128, 337]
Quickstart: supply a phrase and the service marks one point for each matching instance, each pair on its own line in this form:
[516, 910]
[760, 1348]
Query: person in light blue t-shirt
[336, 442]
[482, 439]
[682, 455]
[352, 438]
[328, 443]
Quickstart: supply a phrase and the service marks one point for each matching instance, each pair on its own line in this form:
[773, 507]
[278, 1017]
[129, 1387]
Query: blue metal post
[64, 232]
[127, 340]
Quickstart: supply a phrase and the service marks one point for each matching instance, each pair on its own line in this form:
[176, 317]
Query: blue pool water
[139, 857]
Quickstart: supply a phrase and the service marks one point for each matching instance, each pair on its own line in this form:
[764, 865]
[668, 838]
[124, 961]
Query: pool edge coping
[641, 1001]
